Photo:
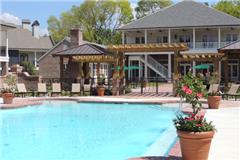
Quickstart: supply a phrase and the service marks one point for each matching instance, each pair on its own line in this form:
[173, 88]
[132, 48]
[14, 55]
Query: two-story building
[4, 56]
[203, 28]
[23, 43]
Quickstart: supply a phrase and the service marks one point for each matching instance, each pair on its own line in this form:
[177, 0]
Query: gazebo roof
[87, 49]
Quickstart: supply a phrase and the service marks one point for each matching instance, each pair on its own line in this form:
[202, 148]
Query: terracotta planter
[214, 102]
[195, 145]
[100, 90]
[8, 98]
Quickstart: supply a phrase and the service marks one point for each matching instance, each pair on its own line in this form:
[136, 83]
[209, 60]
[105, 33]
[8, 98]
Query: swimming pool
[65, 130]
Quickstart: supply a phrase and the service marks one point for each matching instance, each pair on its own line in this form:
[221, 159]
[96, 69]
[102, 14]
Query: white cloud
[133, 6]
[44, 31]
[9, 18]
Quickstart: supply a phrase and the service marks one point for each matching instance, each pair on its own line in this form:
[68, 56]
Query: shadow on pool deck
[157, 158]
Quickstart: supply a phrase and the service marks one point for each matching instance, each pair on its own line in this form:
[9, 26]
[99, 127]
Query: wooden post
[216, 69]
[176, 71]
[61, 67]
[98, 69]
[226, 78]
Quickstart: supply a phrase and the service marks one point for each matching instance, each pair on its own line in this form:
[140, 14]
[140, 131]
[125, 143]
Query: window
[140, 40]
[162, 39]
[231, 37]
[137, 40]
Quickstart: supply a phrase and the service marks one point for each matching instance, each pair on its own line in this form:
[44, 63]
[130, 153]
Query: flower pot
[100, 90]
[8, 98]
[214, 102]
[195, 145]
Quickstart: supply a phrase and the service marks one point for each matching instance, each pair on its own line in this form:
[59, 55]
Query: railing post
[141, 85]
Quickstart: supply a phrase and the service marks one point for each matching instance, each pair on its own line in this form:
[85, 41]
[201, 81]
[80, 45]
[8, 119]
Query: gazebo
[78, 58]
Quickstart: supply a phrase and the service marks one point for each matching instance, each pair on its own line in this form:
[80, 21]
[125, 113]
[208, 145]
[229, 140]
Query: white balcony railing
[206, 45]
[4, 59]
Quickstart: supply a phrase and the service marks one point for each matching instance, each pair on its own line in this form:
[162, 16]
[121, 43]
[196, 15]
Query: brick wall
[49, 67]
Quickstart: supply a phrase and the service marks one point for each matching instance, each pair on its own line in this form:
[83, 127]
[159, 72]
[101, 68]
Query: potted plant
[8, 91]
[214, 97]
[100, 86]
[194, 132]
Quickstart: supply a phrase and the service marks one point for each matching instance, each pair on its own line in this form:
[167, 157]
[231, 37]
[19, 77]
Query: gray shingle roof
[231, 46]
[22, 39]
[184, 14]
[84, 49]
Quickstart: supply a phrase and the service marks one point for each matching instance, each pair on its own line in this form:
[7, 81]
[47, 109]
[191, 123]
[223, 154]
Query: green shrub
[29, 67]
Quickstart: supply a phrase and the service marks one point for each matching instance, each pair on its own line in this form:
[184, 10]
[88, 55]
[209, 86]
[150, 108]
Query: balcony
[206, 45]
[4, 59]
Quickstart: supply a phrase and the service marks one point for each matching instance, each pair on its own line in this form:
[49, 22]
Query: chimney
[76, 37]
[35, 29]
[26, 24]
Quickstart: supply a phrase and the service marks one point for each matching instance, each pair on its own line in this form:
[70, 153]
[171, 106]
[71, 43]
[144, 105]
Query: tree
[146, 7]
[98, 18]
[231, 7]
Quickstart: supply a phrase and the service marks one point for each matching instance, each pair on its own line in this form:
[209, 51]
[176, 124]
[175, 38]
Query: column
[7, 45]
[219, 37]
[169, 35]
[194, 38]
[139, 71]
[220, 70]
[194, 70]
[226, 78]
[145, 67]
[129, 69]
[7, 55]
[169, 67]
[145, 36]
[123, 37]
[35, 59]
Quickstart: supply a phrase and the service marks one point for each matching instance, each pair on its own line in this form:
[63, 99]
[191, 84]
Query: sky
[13, 11]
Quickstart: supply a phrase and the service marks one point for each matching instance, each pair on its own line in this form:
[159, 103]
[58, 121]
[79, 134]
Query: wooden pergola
[200, 57]
[121, 49]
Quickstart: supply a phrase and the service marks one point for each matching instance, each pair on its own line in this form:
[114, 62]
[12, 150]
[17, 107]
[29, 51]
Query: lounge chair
[21, 89]
[76, 89]
[232, 92]
[86, 88]
[42, 89]
[56, 89]
[213, 88]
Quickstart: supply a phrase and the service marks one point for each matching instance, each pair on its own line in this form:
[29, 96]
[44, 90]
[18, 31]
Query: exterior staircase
[156, 67]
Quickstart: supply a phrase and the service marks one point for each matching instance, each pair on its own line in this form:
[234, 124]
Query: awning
[128, 68]
[202, 66]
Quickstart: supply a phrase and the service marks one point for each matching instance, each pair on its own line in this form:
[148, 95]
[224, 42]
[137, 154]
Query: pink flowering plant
[193, 123]
[192, 89]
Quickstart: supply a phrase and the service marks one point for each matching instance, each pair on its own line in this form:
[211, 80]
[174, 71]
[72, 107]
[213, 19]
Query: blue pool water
[61, 130]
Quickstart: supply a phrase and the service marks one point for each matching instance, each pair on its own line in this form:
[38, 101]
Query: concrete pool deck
[225, 144]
